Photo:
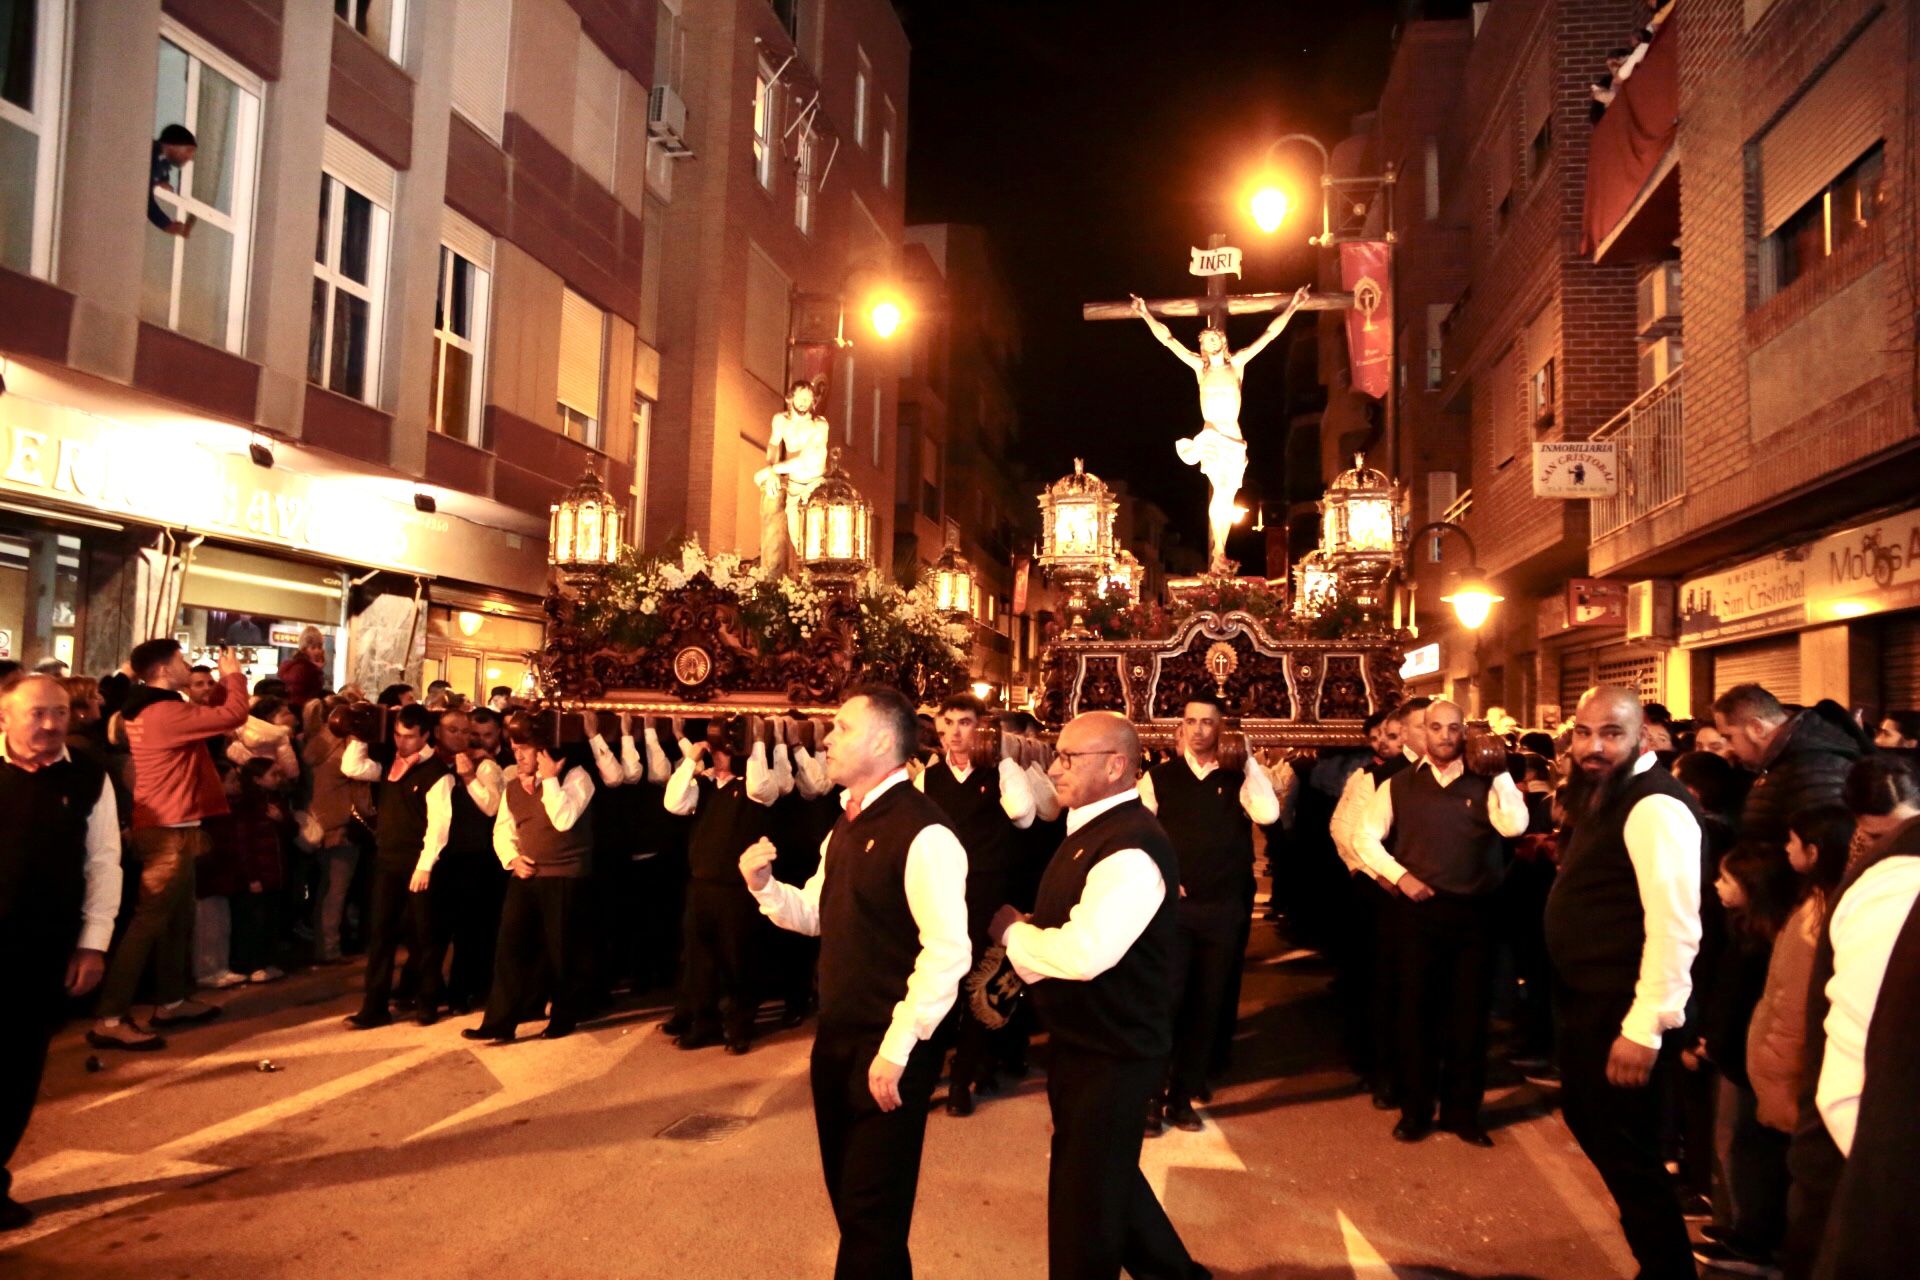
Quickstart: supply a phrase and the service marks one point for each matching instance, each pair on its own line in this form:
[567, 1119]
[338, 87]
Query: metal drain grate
[700, 1127]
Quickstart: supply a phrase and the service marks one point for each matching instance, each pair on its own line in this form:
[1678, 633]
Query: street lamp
[808, 315]
[1345, 203]
[1360, 532]
[1076, 538]
[583, 532]
[835, 523]
[952, 582]
[1470, 594]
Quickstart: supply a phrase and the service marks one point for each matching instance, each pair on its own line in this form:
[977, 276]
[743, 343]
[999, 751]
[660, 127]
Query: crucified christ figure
[1219, 450]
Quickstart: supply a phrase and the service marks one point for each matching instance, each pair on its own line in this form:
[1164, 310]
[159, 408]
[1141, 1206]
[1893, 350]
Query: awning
[1628, 158]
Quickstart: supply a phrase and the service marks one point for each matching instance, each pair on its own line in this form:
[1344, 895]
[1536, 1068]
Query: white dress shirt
[564, 799]
[616, 771]
[1506, 810]
[1257, 800]
[936, 887]
[358, 763]
[102, 901]
[683, 791]
[1046, 800]
[782, 765]
[1663, 843]
[810, 774]
[1866, 924]
[1121, 895]
[1354, 799]
[1016, 796]
[488, 783]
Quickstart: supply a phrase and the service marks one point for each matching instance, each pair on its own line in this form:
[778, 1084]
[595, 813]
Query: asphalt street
[408, 1151]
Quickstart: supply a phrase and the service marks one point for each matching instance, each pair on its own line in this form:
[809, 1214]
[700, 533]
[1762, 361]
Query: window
[460, 341]
[1502, 212]
[1540, 395]
[596, 111]
[1430, 192]
[642, 448]
[862, 89]
[764, 353]
[788, 12]
[1841, 213]
[803, 179]
[31, 62]
[196, 284]
[1540, 151]
[929, 476]
[890, 123]
[382, 22]
[764, 104]
[1436, 344]
[481, 33]
[583, 354]
[349, 273]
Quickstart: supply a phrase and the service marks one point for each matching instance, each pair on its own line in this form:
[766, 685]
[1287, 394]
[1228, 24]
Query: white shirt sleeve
[810, 774]
[1147, 797]
[506, 838]
[631, 765]
[796, 910]
[1506, 807]
[1257, 799]
[936, 884]
[487, 786]
[657, 770]
[1354, 798]
[1663, 843]
[565, 799]
[683, 789]
[783, 768]
[1122, 892]
[439, 823]
[608, 765]
[763, 788]
[1370, 834]
[1016, 797]
[357, 762]
[1866, 924]
[102, 903]
[1046, 800]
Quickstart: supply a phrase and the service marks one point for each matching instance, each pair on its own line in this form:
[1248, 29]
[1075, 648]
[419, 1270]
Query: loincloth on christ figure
[1222, 458]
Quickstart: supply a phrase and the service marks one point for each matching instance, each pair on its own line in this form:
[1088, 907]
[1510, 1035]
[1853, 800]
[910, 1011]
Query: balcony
[1653, 470]
[1632, 197]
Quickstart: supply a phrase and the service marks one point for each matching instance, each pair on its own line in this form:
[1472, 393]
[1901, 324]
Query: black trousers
[397, 914]
[463, 911]
[720, 982]
[1443, 1004]
[870, 1157]
[1619, 1129]
[539, 934]
[35, 960]
[1211, 946]
[1101, 1214]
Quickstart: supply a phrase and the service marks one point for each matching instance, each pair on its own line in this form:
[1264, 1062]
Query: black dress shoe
[698, 1039]
[557, 1031]
[1471, 1134]
[959, 1101]
[737, 1045]
[1411, 1131]
[13, 1214]
[365, 1022]
[459, 1008]
[427, 1017]
[1204, 1094]
[487, 1035]
[1383, 1100]
[1182, 1116]
[791, 1018]
[677, 1025]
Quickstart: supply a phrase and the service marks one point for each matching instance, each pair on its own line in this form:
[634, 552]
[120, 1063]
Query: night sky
[1097, 140]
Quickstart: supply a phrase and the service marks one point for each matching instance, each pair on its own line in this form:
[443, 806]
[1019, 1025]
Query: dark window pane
[356, 235]
[326, 204]
[17, 38]
[317, 336]
[349, 369]
[440, 292]
[462, 322]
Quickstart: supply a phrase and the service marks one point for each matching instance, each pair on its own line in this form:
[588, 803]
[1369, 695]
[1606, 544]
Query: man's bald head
[1099, 757]
[1612, 703]
[34, 717]
[1607, 731]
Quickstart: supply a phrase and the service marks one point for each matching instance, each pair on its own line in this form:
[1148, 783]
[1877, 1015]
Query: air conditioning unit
[666, 115]
[1650, 610]
[1658, 360]
[1659, 300]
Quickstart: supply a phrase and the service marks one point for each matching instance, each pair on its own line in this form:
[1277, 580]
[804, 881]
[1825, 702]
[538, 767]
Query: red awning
[1633, 137]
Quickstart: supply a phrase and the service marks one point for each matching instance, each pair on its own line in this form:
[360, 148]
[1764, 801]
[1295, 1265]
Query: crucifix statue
[1219, 450]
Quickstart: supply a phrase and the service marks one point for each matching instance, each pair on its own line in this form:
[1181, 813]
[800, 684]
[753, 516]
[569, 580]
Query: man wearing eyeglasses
[1098, 956]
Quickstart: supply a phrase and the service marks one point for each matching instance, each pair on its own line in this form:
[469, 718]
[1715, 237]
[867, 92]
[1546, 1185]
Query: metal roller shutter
[1773, 664]
[1625, 666]
[1900, 662]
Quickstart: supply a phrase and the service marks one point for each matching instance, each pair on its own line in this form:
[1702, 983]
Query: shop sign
[1759, 596]
[284, 637]
[1423, 661]
[1596, 602]
[1868, 569]
[54, 451]
[1576, 469]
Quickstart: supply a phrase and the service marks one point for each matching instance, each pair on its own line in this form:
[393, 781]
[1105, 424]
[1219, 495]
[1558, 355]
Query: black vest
[972, 809]
[725, 822]
[1443, 834]
[1210, 831]
[1126, 1012]
[471, 835]
[869, 939]
[1382, 771]
[552, 852]
[1595, 921]
[401, 829]
[43, 847]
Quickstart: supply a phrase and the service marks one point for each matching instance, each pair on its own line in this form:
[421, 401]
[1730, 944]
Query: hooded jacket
[175, 783]
[1806, 765]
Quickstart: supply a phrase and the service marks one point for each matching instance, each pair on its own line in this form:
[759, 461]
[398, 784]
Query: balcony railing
[1652, 458]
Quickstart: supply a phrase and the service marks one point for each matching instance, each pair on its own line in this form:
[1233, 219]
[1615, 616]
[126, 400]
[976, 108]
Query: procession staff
[1098, 955]
[1448, 825]
[1623, 926]
[1210, 820]
[889, 905]
[985, 807]
[59, 893]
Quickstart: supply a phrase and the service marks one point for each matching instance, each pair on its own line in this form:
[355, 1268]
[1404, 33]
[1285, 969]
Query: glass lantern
[583, 532]
[835, 525]
[952, 582]
[1076, 538]
[1360, 532]
[1127, 574]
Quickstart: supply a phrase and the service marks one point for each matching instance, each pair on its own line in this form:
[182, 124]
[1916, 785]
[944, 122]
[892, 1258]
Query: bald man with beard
[1623, 926]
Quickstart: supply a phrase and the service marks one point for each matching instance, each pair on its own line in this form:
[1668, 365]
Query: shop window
[382, 22]
[1841, 213]
[42, 595]
[765, 111]
[196, 283]
[31, 63]
[583, 353]
[349, 287]
[459, 347]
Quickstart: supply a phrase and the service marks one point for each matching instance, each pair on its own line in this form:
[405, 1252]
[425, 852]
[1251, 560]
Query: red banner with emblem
[1366, 271]
[1022, 575]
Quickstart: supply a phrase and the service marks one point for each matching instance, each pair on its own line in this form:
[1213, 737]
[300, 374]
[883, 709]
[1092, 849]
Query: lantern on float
[1360, 533]
[835, 525]
[583, 532]
[1316, 587]
[952, 581]
[1076, 538]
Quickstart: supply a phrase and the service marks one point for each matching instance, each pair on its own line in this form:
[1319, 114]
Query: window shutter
[582, 346]
[1835, 122]
[596, 106]
[358, 167]
[1541, 334]
[1773, 664]
[1504, 393]
[765, 355]
[481, 34]
[466, 238]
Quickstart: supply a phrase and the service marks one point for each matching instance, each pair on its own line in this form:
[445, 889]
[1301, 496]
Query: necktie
[400, 766]
[853, 808]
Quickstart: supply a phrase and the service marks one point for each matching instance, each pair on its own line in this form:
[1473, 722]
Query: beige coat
[1777, 1036]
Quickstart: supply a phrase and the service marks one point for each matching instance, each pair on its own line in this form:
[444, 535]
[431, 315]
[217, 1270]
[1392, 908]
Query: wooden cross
[1218, 304]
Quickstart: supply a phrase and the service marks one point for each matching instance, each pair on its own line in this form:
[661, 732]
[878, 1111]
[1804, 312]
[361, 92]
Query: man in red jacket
[175, 786]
